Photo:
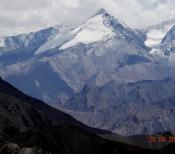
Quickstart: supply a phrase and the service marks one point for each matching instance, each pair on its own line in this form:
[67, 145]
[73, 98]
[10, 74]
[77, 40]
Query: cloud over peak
[27, 15]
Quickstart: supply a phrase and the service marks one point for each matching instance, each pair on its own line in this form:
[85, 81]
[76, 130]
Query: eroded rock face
[145, 107]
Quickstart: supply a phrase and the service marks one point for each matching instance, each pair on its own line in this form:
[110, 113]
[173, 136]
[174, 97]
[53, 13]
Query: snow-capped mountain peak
[100, 27]
[93, 30]
[100, 11]
[108, 16]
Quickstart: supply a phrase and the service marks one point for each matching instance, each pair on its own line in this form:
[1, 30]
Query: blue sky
[21, 16]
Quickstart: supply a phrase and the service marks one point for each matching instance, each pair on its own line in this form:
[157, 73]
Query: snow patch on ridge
[37, 83]
[2, 44]
[56, 41]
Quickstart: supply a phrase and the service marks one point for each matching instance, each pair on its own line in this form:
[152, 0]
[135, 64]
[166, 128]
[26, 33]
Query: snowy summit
[91, 31]
[99, 27]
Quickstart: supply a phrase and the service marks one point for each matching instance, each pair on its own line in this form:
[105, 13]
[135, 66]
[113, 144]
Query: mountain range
[102, 72]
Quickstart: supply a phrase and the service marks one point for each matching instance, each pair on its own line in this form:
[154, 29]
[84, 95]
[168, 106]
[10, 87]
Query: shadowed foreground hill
[28, 126]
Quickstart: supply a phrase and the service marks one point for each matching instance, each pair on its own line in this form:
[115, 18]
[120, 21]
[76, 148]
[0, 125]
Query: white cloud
[27, 15]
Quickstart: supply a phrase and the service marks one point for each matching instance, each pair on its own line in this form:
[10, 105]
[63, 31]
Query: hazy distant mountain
[145, 107]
